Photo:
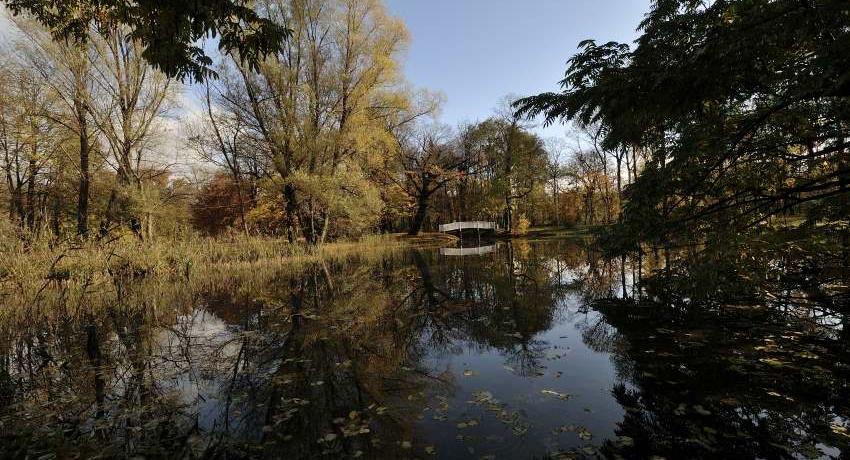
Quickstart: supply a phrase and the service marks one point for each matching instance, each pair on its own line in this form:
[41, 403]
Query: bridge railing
[474, 225]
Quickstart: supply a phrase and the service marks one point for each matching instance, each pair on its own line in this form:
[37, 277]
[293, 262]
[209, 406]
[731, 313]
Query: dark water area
[523, 350]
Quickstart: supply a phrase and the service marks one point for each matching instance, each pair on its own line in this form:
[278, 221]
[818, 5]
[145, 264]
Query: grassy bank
[41, 272]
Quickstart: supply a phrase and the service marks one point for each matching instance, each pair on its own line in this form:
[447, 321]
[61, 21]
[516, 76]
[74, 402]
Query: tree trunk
[31, 205]
[291, 209]
[419, 217]
[83, 198]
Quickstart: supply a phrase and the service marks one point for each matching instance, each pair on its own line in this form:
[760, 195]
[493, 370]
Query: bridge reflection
[481, 250]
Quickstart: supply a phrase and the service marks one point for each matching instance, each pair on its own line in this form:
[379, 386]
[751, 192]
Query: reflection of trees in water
[505, 299]
[334, 352]
[312, 357]
[737, 385]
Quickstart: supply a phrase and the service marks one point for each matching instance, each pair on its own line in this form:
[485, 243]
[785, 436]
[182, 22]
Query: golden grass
[37, 276]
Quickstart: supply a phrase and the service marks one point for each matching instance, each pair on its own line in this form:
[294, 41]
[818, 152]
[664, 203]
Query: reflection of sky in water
[194, 353]
[566, 366]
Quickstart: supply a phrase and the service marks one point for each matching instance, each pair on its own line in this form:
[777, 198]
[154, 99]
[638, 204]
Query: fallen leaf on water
[626, 441]
[470, 373]
[772, 361]
[840, 430]
[701, 410]
[561, 396]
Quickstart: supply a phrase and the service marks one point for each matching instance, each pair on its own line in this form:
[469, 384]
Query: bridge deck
[475, 225]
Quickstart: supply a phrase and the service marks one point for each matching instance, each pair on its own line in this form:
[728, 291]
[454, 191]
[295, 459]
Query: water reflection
[530, 350]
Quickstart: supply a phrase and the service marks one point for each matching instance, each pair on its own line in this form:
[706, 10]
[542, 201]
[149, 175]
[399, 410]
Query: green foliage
[168, 30]
[740, 107]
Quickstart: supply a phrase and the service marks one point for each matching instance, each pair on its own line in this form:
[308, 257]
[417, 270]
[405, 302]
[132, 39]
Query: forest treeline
[317, 140]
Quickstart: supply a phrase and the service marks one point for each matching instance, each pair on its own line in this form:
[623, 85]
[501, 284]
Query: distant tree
[556, 173]
[428, 162]
[217, 206]
[168, 31]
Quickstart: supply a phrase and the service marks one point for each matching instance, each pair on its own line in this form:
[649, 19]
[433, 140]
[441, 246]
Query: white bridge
[476, 225]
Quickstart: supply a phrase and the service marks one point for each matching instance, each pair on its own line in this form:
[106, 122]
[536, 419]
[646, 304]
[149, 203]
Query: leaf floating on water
[806, 355]
[406, 445]
[470, 373]
[701, 410]
[430, 450]
[561, 396]
[773, 362]
[840, 430]
[584, 434]
[626, 441]
[467, 424]
[564, 429]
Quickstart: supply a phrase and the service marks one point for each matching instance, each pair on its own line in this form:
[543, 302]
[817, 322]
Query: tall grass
[38, 275]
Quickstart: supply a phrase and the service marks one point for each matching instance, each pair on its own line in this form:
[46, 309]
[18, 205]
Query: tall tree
[318, 108]
[129, 114]
[66, 72]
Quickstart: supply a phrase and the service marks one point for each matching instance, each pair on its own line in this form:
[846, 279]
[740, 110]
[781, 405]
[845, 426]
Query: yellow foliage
[521, 225]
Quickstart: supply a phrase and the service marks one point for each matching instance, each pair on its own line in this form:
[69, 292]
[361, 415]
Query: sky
[478, 51]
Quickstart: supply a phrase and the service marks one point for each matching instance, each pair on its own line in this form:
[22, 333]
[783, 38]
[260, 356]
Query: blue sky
[478, 51]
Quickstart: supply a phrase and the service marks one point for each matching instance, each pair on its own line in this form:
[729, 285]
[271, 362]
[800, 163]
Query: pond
[520, 350]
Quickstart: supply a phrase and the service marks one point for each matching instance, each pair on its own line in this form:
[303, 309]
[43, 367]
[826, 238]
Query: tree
[318, 109]
[66, 72]
[721, 97]
[556, 173]
[222, 139]
[167, 32]
[427, 162]
[28, 142]
[135, 99]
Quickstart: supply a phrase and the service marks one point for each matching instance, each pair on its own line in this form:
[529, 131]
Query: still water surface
[533, 350]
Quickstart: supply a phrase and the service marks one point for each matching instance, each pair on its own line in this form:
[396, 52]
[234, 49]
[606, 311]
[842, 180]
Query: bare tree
[135, 100]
